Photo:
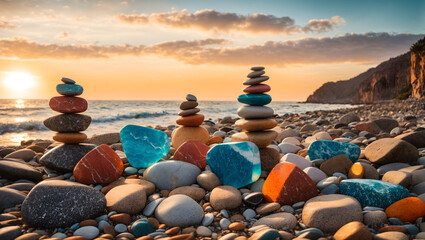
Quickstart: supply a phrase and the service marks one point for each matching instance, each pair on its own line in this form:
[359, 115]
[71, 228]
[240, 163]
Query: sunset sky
[161, 50]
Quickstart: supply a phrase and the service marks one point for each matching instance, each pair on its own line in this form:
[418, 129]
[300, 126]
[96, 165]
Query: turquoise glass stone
[323, 149]
[236, 164]
[255, 99]
[373, 193]
[142, 227]
[269, 234]
[69, 89]
[144, 146]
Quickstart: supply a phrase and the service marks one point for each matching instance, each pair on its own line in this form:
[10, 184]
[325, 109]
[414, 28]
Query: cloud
[212, 20]
[64, 36]
[353, 48]
[4, 24]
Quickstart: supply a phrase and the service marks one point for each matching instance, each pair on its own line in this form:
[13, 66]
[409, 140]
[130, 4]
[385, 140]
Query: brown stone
[236, 226]
[172, 231]
[183, 237]
[29, 236]
[195, 193]
[145, 238]
[109, 229]
[391, 236]
[269, 158]
[389, 150]
[393, 228]
[183, 134]
[154, 222]
[191, 120]
[339, 163]
[188, 230]
[265, 208]
[262, 138]
[88, 222]
[189, 112]
[121, 218]
[70, 138]
[127, 198]
[225, 197]
[208, 180]
[188, 105]
[353, 231]
[398, 177]
[256, 124]
[215, 140]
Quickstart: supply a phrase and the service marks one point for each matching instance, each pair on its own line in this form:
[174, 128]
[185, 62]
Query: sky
[162, 50]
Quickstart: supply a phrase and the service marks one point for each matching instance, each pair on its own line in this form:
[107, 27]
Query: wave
[135, 115]
[21, 127]
[22, 109]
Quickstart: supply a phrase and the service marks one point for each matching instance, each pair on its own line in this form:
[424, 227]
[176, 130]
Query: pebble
[203, 231]
[190, 97]
[389, 150]
[15, 170]
[353, 230]
[249, 214]
[315, 174]
[208, 219]
[253, 199]
[196, 193]
[225, 197]
[120, 228]
[88, 232]
[179, 210]
[150, 208]
[278, 221]
[255, 112]
[407, 209]
[130, 170]
[208, 180]
[296, 159]
[224, 223]
[266, 208]
[255, 99]
[127, 198]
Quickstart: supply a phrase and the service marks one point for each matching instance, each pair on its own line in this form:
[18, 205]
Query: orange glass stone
[287, 184]
[356, 171]
[407, 209]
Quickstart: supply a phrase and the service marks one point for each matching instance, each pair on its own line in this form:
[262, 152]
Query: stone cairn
[257, 119]
[69, 124]
[190, 121]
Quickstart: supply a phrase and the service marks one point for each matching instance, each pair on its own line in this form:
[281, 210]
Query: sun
[19, 80]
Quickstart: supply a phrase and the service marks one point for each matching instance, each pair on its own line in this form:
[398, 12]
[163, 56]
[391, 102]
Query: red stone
[65, 104]
[287, 184]
[193, 152]
[258, 88]
[100, 165]
[191, 120]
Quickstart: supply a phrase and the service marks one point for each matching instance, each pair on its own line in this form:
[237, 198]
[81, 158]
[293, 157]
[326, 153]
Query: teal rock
[236, 164]
[310, 233]
[255, 99]
[130, 170]
[168, 175]
[269, 234]
[69, 89]
[373, 193]
[144, 146]
[142, 227]
[323, 149]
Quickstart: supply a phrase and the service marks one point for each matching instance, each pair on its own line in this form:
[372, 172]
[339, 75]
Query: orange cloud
[350, 48]
[5, 24]
[212, 20]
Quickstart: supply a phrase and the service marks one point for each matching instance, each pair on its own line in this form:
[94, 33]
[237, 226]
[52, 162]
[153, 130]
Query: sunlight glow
[19, 80]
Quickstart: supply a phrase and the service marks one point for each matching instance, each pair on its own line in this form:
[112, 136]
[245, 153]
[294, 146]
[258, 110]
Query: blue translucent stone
[236, 164]
[374, 193]
[322, 149]
[142, 227]
[69, 89]
[255, 99]
[144, 146]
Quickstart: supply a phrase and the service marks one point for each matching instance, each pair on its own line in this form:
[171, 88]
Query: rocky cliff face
[384, 82]
[389, 80]
[417, 74]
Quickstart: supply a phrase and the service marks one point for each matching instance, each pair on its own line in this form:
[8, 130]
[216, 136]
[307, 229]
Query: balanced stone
[193, 152]
[287, 184]
[257, 88]
[255, 99]
[256, 80]
[262, 138]
[57, 203]
[188, 105]
[144, 146]
[64, 104]
[255, 74]
[257, 68]
[179, 210]
[68, 123]
[100, 165]
[389, 150]
[64, 157]
[235, 164]
[67, 80]
[70, 138]
[168, 175]
[331, 212]
[190, 97]
[183, 134]
[322, 149]
[14, 170]
[373, 192]
[256, 124]
[255, 112]
[191, 120]
[189, 112]
[69, 89]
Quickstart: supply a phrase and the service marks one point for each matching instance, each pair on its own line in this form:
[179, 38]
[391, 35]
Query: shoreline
[296, 133]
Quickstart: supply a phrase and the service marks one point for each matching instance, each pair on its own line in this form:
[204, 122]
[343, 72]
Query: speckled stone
[68, 123]
[64, 157]
[322, 149]
[255, 99]
[144, 146]
[373, 192]
[235, 164]
[57, 203]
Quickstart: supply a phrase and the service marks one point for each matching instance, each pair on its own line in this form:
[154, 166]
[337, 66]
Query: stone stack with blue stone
[257, 119]
[69, 126]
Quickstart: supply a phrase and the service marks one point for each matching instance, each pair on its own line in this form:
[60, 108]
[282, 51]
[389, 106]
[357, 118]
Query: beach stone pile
[69, 126]
[257, 119]
[190, 121]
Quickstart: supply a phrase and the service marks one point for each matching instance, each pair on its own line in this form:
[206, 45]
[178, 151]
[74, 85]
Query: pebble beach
[355, 174]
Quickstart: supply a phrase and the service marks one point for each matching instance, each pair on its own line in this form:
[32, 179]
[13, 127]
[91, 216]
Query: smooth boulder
[390, 150]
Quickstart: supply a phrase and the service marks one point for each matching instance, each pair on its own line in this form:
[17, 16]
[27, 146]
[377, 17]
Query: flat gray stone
[256, 80]
[248, 112]
[179, 210]
[13, 170]
[10, 198]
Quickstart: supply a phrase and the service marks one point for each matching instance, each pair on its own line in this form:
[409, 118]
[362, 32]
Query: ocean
[23, 119]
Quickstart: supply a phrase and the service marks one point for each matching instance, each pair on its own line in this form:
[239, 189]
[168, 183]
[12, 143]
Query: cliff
[417, 69]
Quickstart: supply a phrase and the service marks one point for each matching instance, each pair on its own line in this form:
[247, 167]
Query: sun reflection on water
[17, 138]
[20, 103]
